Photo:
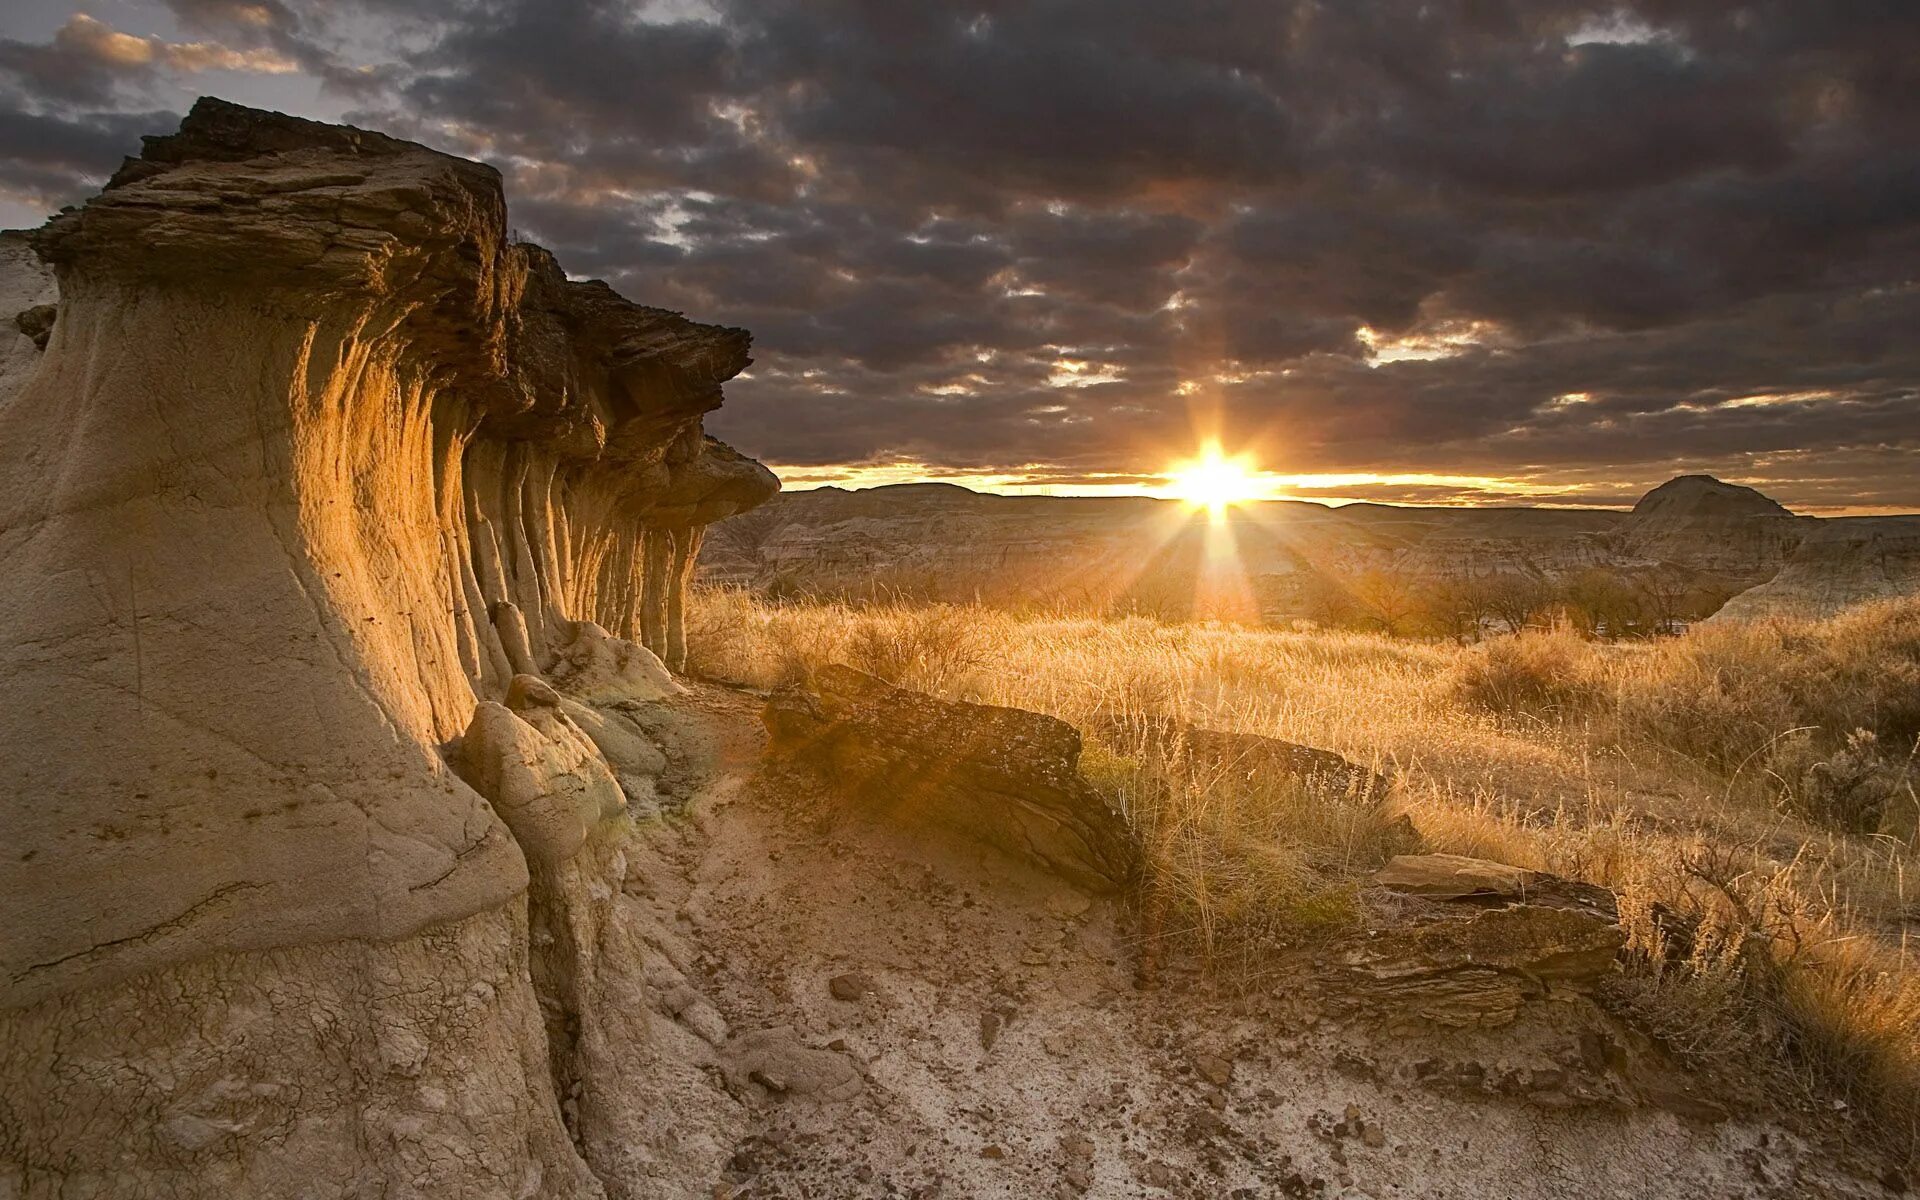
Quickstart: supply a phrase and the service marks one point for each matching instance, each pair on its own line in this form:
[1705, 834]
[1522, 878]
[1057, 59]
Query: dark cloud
[1579, 244]
[47, 161]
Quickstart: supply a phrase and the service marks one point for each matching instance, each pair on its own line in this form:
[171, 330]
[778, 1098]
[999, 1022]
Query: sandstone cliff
[311, 466]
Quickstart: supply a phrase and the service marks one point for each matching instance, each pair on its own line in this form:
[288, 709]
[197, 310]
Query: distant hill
[1702, 497]
[1683, 550]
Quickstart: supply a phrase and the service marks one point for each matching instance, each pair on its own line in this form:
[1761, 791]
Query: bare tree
[1457, 607]
[1665, 591]
[1515, 600]
[1385, 600]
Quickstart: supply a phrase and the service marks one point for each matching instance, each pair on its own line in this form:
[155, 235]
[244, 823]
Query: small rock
[1216, 1070]
[1159, 1174]
[991, 1025]
[1372, 1135]
[851, 987]
[1077, 1145]
[1068, 904]
[993, 1150]
[1079, 1175]
[769, 1080]
[1205, 1124]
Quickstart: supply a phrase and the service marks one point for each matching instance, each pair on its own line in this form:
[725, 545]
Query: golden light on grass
[1215, 481]
[1546, 751]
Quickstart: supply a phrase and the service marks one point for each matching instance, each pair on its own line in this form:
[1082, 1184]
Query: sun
[1214, 481]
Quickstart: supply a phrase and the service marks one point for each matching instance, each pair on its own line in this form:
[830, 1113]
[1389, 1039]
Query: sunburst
[1215, 481]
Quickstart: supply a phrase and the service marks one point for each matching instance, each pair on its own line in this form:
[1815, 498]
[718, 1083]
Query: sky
[1454, 251]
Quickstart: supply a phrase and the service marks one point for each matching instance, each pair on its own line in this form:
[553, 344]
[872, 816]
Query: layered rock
[1471, 940]
[1841, 562]
[1721, 529]
[1003, 776]
[313, 465]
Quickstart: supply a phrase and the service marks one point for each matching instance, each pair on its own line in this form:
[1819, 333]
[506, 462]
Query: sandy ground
[943, 1022]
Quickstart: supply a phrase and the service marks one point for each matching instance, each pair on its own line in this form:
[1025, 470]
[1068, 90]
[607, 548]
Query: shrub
[1856, 788]
[1776, 697]
[930, 649]
[1540, 674]
[1239, 864]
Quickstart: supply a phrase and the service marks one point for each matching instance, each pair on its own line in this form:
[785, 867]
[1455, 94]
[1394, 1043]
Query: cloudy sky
[1441, 251]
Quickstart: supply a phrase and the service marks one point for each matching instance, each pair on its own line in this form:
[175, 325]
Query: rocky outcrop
[314, 478]
[1003, 776]
[1470, 941]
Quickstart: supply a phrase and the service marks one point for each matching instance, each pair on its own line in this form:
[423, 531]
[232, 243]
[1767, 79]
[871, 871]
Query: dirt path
[911, 1018]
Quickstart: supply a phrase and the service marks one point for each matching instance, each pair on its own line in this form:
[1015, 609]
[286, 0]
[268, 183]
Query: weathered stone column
[511, 626]
[686, 548]
[656, 551]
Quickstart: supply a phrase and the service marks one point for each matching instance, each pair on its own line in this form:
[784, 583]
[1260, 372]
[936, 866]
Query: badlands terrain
[1693, 543]
[387, 816]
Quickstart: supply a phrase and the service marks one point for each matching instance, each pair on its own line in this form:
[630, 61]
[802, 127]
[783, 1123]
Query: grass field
[1760, 778]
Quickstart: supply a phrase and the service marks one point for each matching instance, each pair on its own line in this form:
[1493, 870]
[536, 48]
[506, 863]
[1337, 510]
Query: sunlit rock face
[309, 462]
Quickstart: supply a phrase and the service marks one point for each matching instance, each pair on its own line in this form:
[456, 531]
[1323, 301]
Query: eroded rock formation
[313, 474]
[1842, 562]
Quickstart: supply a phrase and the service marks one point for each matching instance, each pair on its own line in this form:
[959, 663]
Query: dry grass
[1759, 777]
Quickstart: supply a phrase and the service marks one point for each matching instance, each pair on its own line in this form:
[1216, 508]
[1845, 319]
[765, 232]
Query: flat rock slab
[1449, 876]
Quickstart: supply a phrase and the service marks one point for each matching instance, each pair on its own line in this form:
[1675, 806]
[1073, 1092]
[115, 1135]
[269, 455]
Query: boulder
[539, 771]
[1002, 776]
[599, 668]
